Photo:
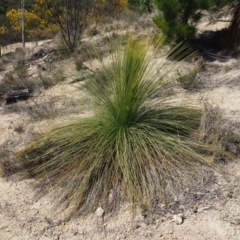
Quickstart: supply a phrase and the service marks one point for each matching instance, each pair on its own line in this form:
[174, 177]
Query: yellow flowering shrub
[3, 30]
[35, 26]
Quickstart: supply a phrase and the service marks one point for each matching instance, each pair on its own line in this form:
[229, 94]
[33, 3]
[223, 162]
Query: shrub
[2, 67]
[178, 18]
[141, 5]
[212, 124]
[49, 81]
[216, 130]
[132, 147]
[21, 70]
[19, 129]
[42, 110]
[190, 80]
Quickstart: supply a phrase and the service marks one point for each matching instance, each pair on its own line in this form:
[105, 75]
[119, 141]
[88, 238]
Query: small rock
[124, 236]
[110, 197]
[230, 194]
[149, 233]
[181, 207]
[163, 206]
[195, 209]
[135, 226]
[74, 232]
[99, 212]
[143, 225]
[237, 221]
[178, 218]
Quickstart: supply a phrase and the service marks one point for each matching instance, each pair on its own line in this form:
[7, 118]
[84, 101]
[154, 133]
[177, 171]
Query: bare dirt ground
[209, 211]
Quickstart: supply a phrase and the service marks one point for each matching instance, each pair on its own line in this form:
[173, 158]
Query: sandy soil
[28, 46]
[210, 211]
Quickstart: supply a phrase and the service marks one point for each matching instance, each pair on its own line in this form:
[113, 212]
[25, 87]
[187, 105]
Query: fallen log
[14, 96]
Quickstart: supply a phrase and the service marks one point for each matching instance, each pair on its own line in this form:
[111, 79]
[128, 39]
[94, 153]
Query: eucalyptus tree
[72, 18]
[23, 20]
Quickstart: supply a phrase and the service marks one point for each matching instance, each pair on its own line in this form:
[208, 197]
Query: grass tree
[133, 146]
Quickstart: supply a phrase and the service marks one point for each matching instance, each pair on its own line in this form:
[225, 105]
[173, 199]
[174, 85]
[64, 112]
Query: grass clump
[190, 80]
[21, 70]
[131, 148]
[48, 81]
[42, 110]
[217, 130]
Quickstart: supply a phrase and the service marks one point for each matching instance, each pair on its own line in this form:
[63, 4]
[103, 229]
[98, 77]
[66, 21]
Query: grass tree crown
[133, 146]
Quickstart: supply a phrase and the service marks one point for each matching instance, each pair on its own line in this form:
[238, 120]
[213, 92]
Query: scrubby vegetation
[44, 19]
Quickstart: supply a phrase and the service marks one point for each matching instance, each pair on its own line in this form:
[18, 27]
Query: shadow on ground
[211, 46]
